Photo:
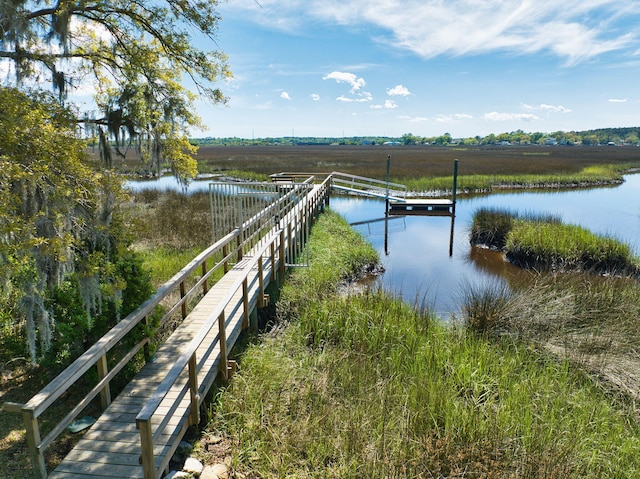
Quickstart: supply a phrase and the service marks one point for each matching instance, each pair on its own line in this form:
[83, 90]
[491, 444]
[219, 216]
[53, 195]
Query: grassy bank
[368, 386]
[582, 302]
[544, 243]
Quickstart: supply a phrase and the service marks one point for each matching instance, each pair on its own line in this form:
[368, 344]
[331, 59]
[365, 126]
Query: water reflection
[418, 265]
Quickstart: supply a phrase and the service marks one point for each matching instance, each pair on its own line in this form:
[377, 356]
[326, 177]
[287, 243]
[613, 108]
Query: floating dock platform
[422, 207]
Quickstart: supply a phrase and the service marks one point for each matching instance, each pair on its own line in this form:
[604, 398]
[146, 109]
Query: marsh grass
[555, 246]
[588, 320]
[544, 243]
[369, 386]
[428, 170]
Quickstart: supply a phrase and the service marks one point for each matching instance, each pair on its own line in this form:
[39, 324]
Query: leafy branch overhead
[134, 54]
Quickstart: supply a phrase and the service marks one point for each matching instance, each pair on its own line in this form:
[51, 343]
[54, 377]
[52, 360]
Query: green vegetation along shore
[364, 385]
[581, 301]
[546, 244]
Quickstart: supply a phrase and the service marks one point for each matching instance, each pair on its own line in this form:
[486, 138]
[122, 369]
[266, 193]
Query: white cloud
[453, 118]
[398, 90]
[414, 119]
[315, 97]
[363, 98]
[285, 96]
[574, 30]
[388, 104]
[545, 107]
[495, 116]
[617, 100]
[345, 77]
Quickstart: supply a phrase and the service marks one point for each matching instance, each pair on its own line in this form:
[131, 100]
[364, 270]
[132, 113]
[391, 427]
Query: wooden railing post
[194, 416]
[239, 245]
[33, 442]
[260, 284]
[281, 253]
[290, 255]
[222, 337]
[245, 304]
[146, 449]
[225, 252]
[103, 370]
[205, 284]
[183, 306]
[273, 257]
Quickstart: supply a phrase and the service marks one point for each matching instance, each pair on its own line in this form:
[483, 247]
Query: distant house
[550, 141]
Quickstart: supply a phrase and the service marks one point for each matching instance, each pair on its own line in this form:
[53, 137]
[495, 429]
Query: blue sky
[427, 67]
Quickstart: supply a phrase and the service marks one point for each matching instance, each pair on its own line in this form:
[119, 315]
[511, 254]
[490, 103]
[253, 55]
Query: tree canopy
[55, 212]
[64, 257]
[135, 54]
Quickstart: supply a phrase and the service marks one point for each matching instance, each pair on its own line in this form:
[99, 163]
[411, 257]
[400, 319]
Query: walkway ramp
[111, 448]
[139, 430]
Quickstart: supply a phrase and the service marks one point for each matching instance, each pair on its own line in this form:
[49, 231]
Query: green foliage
[136, 54]
[368, 386]
[62, 244]
[76, 329]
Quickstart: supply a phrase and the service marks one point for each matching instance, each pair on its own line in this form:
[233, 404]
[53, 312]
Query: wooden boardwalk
[111, 448]
[139, 430]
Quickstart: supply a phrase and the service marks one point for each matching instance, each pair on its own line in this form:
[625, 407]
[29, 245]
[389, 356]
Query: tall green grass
[368, 386]
[596, 175]
[553, 246]
[545, 243]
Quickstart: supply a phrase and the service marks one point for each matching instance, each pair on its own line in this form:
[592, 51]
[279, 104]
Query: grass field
[411, 162]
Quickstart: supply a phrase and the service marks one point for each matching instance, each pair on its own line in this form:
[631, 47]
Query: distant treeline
[601, 136]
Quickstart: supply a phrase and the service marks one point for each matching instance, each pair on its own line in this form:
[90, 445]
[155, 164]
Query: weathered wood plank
[105, 470]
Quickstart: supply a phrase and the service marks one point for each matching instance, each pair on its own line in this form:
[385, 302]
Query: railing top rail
[298, 174]
[38, 403]
[167, 383]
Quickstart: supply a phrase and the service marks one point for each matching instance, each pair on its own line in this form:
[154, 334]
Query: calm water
[418, 265]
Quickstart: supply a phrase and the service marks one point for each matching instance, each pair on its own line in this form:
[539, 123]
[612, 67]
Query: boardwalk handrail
[188, 360]
[367, 186]
[96, 356]
[225, 250]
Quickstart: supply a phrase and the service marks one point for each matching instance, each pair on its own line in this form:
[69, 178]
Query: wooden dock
[422, 207]
[140, 429]
[112, 448]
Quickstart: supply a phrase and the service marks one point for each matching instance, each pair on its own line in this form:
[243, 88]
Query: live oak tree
[136, 54]
[55, 214]
[57, 222]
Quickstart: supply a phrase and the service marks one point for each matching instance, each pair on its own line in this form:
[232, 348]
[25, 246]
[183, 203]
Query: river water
[417, 263]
